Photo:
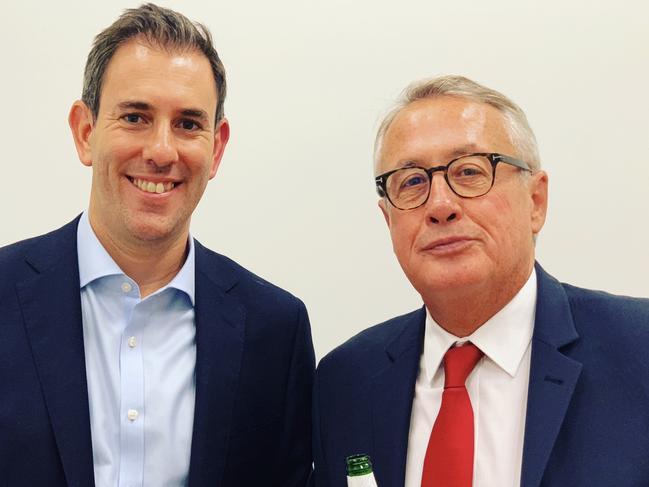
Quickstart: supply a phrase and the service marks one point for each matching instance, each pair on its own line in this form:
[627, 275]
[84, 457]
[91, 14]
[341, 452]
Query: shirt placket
[131, 465]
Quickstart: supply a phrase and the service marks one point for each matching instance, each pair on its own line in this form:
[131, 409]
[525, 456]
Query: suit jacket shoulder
[612, 331]
[254, 374]
[602, 313]
[36, 253]
[362, 399]
[366, 351]
[233, 277]
[589, 389]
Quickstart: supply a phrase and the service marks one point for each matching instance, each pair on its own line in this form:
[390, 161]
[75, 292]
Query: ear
[384, 210]
[539, 195]
[221, 137]
[81, 123]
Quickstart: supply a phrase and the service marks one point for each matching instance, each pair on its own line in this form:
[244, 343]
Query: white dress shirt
[497, 388]
[140, 359]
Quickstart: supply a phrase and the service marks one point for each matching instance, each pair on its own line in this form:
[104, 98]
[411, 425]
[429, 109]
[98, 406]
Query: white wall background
[308, 81]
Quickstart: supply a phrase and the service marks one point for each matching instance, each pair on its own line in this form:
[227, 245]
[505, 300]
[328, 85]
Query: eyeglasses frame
[494, 159]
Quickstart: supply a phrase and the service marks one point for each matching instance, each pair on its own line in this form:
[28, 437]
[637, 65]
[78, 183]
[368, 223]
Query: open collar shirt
[140, 357]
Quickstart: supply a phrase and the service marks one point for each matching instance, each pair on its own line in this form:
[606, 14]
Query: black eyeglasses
[468, 176]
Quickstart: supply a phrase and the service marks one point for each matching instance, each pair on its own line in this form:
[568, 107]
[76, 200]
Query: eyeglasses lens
[468, 176]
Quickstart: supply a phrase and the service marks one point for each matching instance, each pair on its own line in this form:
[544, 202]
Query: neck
[151, 264]
[461, 312]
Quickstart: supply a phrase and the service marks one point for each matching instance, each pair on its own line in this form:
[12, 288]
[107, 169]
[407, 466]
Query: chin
[445, 283]
[445, 277]
[151, 229]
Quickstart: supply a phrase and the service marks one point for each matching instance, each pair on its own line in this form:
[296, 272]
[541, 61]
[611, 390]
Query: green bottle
[359, 471]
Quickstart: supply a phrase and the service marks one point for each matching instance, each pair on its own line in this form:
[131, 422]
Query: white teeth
[151, 187]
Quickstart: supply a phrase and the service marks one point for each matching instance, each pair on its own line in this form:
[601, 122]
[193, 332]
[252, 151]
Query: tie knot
[458, 364]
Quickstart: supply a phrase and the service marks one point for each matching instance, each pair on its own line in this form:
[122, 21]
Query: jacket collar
[220, 331]
[392, 393]
[51, 306]
[553, 377]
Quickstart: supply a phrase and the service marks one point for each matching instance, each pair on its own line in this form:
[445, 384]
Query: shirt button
[126, 287]
[132, 414]
[132, 342]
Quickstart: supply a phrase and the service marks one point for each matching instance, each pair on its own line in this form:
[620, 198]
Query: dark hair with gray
[518, 128]
[160, 27]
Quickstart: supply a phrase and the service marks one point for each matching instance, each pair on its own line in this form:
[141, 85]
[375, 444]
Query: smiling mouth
[152, 187]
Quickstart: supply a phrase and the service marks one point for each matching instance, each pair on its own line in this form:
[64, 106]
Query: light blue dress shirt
[140, 360]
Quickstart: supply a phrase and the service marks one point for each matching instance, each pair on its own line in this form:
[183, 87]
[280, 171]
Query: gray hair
[160, 27]
[518, 128]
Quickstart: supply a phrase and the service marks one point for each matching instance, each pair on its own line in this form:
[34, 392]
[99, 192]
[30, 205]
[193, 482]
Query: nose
[160, 147]
[443, 205]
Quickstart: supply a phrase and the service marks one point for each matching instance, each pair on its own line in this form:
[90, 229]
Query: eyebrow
[466, 149]
[134, 105]
[196, 113]
[463, 150]
[408, 164]
[143, 106]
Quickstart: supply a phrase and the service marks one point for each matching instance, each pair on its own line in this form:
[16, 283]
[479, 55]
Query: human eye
[407, 182]
[469, 171]
[133, 118]
[413, 180]
[189, 125]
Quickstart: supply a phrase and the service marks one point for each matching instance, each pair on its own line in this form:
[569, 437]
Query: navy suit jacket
[254, 373]
[587, 421]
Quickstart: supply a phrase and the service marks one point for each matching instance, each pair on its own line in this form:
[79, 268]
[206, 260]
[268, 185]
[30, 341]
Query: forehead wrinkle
[434, 131]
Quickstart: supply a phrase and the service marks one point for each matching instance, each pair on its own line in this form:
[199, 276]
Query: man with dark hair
[131, 355]
[505, 377]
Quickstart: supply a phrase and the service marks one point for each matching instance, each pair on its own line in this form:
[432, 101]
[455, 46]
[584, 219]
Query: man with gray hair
[505, 377]
[131, 355]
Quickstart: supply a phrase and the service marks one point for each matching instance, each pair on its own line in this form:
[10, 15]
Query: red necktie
[449, 457]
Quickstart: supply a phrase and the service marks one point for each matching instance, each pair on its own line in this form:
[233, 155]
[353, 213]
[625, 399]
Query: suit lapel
[51, 306]
[392, 394]
[553, 377]
[220, 327]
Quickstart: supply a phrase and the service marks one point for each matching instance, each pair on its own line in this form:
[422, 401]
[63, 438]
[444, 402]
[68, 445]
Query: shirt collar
[95, 262]
[503, 338]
